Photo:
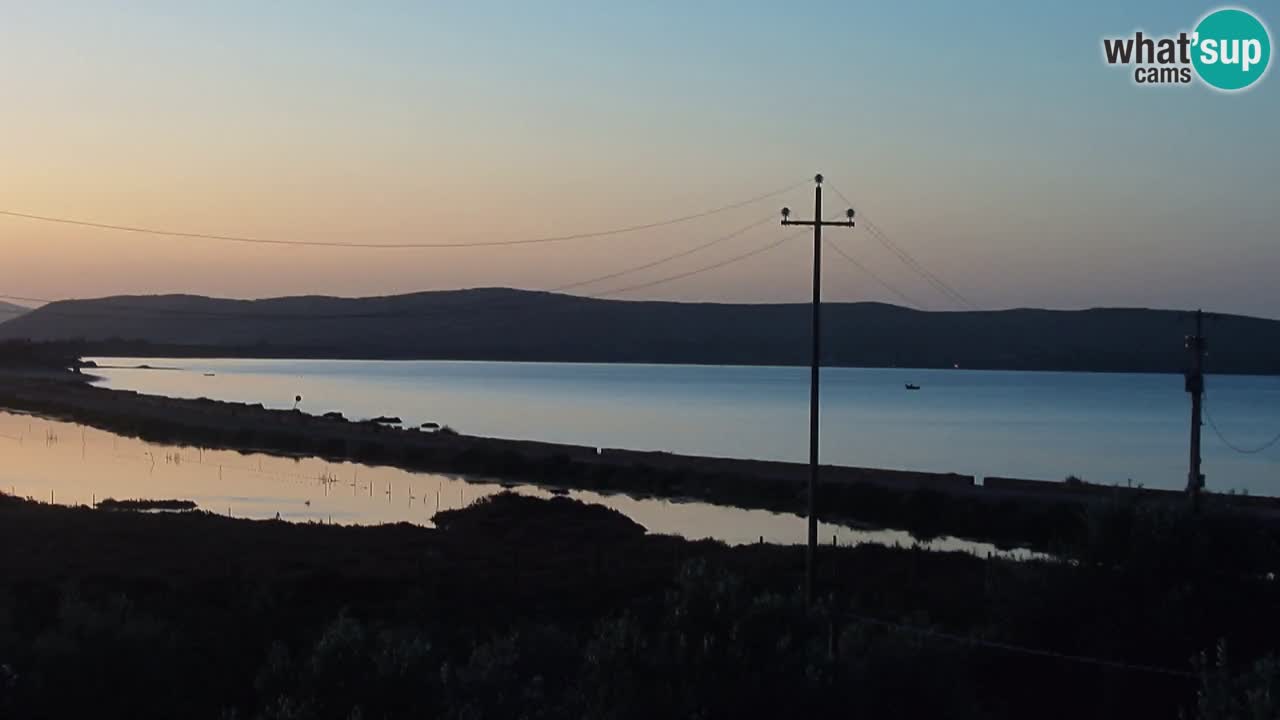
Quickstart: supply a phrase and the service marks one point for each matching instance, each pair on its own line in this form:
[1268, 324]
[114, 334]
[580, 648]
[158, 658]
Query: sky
[987, 139]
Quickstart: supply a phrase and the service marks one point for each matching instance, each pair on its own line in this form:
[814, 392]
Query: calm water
[1108, 428]
[70, 464]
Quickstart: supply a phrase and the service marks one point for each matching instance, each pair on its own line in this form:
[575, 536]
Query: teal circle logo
[1232, 49]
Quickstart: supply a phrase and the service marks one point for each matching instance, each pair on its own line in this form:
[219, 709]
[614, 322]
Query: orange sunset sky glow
[1057, 185]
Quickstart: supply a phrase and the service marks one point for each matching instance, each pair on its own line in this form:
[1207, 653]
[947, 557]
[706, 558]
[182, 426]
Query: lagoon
[1106, 428]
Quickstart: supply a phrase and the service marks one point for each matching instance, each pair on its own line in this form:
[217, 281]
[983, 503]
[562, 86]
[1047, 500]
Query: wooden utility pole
[1195, 344]
[815, 361]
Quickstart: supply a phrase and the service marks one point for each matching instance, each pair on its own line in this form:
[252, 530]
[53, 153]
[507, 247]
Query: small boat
[912, 387]
[208, 374]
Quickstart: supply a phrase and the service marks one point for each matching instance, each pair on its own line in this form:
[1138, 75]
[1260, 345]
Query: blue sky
[988, 138]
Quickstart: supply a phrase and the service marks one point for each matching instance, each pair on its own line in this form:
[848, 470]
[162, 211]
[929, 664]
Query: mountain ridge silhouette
[524, 325]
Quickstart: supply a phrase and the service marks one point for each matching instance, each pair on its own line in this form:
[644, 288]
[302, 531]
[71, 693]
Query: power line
[607, 294]
[361, 315]
[1020, 649]
[1242, 450]
[449, 313]
[399, 246]
[708, 268]
[666, 259]
[908, 259]
[20, 298]
[109, 309]
[938, 283]
[106, 311]
[984, 320]
[869, 273]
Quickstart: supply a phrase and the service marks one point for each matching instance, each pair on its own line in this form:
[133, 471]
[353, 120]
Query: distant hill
[9, 311]
[503, 324]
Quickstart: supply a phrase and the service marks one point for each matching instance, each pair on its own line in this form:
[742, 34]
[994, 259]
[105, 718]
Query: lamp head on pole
[786, 213]
[849, 214]
[818, 178]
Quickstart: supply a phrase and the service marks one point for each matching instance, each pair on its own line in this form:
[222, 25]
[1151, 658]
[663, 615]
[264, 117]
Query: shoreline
[1007, 512]
[200, 353]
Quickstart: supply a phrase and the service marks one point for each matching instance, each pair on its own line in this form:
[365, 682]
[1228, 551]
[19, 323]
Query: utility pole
[815, 357]
[1195, 344]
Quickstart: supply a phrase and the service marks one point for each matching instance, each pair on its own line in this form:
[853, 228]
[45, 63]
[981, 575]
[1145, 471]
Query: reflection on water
[72, 464]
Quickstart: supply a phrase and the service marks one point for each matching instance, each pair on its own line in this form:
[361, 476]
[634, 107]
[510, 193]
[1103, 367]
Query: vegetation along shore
[520, 607]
